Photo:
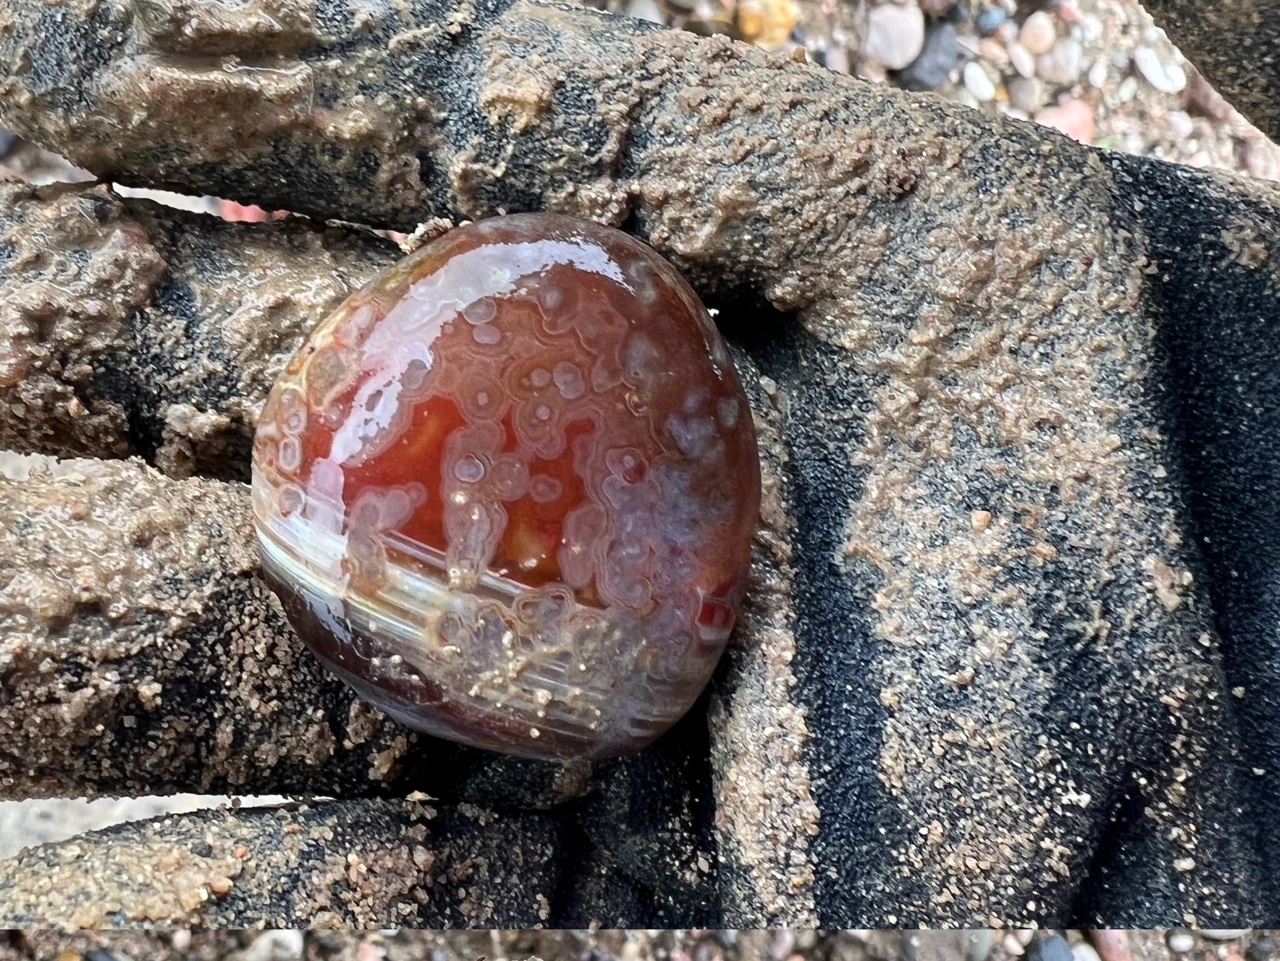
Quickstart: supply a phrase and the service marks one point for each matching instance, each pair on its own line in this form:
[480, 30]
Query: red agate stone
[507, 491]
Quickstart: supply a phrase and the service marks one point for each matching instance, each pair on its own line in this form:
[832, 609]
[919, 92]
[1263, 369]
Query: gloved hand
[1010, 650]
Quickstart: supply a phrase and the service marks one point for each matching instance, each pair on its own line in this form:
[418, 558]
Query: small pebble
[1165, 77]
[1261, 950]
[989, 21]
[1098, 74]
[993, 52]
[837, 59]
[1062, 64]
[895, 34]
[1026, 93]
[1052, 948]
[767, 23]
[275, 946]
[1072, 117]
[940, 56]
[1225, 934]
[645, 10]
[1038, 33]
[1180, 124]
[978, 82]
[1130, 141]
[872, 70]
[1023, 60]
[1180, 942]
[1084, 952]
[1111, 945]
[6, 141]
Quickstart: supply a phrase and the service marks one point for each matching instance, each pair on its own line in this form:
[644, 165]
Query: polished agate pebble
[507, 491]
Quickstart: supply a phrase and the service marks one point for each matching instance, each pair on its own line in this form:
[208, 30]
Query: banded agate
[507, 491]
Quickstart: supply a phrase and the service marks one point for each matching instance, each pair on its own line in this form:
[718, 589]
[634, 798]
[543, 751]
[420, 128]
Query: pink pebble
[1111, 945]
[1072, 117]
[245, 213]
[230, 210]
[1038, 33]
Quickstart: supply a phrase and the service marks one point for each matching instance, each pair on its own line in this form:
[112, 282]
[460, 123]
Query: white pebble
[978, 82]
[1165, 77]
[895, 34]
[1084, 952]
[645, 10]
[1098, 74]
[1180, 124]
[1023, 60]
[275, 946]
[1180, 942]
[1062, 64]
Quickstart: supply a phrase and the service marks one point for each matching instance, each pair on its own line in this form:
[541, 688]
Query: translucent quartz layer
[507, 491]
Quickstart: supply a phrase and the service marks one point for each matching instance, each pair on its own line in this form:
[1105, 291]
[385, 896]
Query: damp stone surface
[507, 491]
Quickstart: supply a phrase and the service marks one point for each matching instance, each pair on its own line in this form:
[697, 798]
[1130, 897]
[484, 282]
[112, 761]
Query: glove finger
[140, 653]
[335, 864]
[132, 329]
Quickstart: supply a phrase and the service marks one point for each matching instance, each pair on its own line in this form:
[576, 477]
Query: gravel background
[646, 946]
[1099, 70]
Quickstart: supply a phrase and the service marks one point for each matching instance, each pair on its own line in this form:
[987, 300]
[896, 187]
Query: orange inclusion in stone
[415, 456]
[535, 531]
[527, 551]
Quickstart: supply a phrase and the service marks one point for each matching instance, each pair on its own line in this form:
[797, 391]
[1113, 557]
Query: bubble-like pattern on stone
[507, 491]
